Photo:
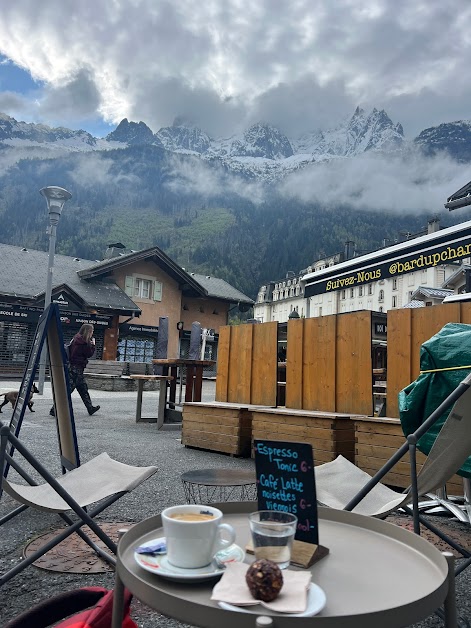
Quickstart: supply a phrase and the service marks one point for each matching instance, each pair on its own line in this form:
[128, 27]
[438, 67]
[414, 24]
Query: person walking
[81, 348]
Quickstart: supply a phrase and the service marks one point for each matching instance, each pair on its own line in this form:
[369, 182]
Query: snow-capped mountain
[451, 137]
[362, 132]
[24, 135]
[183, 138]
[261, 152]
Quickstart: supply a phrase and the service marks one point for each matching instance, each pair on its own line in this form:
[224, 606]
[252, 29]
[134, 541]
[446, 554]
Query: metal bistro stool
[219, 485]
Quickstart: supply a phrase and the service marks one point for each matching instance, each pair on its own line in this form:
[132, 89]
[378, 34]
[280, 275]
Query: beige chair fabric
[99, 478]
[338, 482]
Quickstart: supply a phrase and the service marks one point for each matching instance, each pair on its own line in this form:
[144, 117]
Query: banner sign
[397, 264]
[285, 482]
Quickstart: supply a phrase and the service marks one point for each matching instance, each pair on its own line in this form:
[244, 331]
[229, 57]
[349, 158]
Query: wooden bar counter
[329, 433]
[376, 440]
[218, 426]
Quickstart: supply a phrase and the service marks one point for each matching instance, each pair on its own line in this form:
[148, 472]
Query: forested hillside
[140, 197]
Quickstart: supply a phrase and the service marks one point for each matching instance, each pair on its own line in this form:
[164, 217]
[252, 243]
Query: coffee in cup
[194, 534]
[192, 516]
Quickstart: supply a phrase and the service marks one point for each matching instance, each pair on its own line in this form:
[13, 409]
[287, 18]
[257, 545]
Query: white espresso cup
[194, 534]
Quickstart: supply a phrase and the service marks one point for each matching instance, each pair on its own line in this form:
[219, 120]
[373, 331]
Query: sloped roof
[456, 275]
[220, 289]
[23, 274]
[186, 282]
[414, 304]
[431, 293]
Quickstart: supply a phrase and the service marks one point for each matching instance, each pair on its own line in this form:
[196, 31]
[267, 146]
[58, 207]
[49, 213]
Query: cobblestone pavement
[113, 429]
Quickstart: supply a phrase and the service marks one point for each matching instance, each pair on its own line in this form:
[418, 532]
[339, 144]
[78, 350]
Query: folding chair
[340, 484]
[100, 481]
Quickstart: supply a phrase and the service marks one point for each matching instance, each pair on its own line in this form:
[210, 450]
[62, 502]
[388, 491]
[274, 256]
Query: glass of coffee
[194, 533]
[272, 535]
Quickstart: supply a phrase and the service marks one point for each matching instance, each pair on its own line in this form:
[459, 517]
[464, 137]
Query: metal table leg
[140, 388]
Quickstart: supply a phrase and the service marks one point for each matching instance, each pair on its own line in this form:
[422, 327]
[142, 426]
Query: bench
[107, 368]
[116, 376]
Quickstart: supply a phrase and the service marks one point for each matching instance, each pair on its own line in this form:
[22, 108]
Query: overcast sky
[298, 64]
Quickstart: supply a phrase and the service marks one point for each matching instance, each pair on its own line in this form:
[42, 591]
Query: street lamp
[55, 200]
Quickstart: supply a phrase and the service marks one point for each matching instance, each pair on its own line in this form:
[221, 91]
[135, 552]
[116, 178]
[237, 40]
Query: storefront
[18, 326]
[137, 343]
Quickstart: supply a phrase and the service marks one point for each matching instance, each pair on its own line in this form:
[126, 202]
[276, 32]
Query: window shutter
[129, 286]
[157, 291]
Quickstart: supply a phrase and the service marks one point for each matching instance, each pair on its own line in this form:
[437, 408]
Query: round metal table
[376, 574]
[207, 486]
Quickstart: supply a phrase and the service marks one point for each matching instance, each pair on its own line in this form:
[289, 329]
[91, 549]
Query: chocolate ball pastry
[264, 579]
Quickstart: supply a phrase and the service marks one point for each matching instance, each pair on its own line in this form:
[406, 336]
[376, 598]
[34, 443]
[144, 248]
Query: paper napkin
[233, 589]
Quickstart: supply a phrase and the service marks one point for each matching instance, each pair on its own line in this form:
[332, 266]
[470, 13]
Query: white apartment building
[415, 273]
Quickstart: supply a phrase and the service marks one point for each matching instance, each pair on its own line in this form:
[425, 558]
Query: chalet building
[419, 272]
[123, 295]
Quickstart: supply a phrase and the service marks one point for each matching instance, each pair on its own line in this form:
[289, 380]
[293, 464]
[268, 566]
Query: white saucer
[160, 566]
[316, 601]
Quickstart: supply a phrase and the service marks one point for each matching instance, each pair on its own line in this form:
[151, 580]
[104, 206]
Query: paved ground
[113, 429]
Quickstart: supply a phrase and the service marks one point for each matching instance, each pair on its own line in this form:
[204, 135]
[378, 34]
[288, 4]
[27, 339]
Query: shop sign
[19, 313]
[127, 328]
[396, 265]
[65, 301]
[77, 320]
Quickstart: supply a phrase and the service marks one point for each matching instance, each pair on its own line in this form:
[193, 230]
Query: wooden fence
[408, 329]
[328, 362]
[247, 364]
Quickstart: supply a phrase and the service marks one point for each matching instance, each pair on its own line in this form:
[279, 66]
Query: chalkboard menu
[285, 482]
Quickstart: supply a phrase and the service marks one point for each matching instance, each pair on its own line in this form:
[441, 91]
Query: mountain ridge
[262, 151]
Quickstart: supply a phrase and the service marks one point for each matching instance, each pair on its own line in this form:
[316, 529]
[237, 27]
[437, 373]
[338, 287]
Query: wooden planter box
[376, 440]
[221, 427]
[329, 433]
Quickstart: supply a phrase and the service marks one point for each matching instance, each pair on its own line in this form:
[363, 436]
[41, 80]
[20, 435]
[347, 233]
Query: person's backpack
[48, 612]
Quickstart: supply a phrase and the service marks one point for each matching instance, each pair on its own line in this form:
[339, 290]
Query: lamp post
[55, 200]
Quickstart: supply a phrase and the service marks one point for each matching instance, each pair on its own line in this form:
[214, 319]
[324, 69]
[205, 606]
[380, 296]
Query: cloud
[192, 177]
[12, 101]
[78, 98]
[402, 183]
[227, 63]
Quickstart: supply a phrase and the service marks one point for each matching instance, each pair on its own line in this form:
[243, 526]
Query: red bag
[51, 611]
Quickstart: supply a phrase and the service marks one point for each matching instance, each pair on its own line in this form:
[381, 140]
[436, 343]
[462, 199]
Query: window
[381, 296]
[394, 284]
[143, 288]
[394, 301]
[352, 293]
[343, 294]
[136, 349]
[360, 291]
[370, 288]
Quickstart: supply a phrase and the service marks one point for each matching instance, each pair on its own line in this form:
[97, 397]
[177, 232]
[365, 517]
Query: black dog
[10, 397]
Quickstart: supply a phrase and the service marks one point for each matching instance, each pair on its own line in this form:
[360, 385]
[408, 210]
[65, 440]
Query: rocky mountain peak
[131, 133]
[11, 129]
[181, 137]
[262, 140]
